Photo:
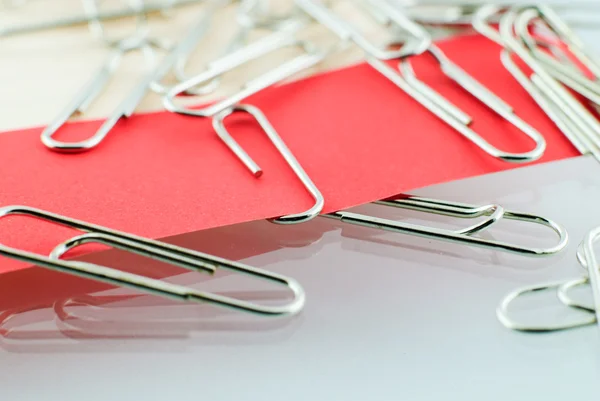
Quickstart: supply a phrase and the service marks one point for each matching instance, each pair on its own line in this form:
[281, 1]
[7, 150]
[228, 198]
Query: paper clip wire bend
[179, 256]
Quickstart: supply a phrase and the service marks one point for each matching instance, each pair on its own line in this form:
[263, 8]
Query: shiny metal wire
[494, 214]
[92, 90]
[150, 81]
[267, 128]
[578, 124]
[407, 82]
[482, 94]
[587, 258]
[161, 251]
[89, 16]
[218, 111]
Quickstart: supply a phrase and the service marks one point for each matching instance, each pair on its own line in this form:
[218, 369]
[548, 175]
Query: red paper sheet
[359, 137]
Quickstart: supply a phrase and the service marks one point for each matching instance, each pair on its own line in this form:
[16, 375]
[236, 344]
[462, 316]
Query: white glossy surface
[388, 317]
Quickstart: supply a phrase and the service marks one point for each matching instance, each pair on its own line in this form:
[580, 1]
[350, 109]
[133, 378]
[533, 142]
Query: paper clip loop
[162, 251]
[464, 236]
[587, 258]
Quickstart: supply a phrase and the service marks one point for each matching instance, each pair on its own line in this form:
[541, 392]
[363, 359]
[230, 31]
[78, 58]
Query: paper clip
[219, 126]
[87, 17]
[96, 25]
[91, 91]
[150, 80]
[575, 121]
[462, 14]
[268, 44]
[494, 214]
[483, 95]
[250, 15]
[161, 251]
[587, 258]
[223, 108]
[544, 96]
[416, 89]
[569, 75]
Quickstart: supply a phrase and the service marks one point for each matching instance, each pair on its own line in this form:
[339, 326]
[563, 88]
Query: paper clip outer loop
[179, 256]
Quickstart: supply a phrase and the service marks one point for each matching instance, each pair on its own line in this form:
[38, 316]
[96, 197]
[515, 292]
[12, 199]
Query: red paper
[359, 137]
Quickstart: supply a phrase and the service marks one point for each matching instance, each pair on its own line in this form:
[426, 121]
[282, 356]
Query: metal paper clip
[569, 75]
[462, 13]
[420, 92]
[164, 252]
[221, 109]
[261, 47]
[562, 117]
[587, 258]
[347, 32]
[219, 126]
[250, 15]
[87, 17]
[150, 80]
[578, 124]
[96, 26]
[482, 94]
[494, 214]
[91, 91]
[177, 58]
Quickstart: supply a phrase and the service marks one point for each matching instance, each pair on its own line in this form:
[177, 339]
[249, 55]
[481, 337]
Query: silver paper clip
[161, 251]
[569, 75]
[149, 81]
[465, 236]
[574, 120]
[461, 13]
[89, 16]
[416, 89]
[223, 108]
[587, 258]
[482, 94]
[91, 91]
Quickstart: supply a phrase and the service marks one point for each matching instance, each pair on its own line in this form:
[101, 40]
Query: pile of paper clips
[536, 35]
